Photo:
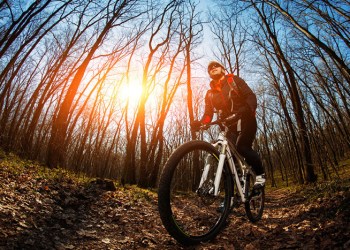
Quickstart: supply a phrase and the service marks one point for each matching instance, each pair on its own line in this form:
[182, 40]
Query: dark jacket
[234, 94]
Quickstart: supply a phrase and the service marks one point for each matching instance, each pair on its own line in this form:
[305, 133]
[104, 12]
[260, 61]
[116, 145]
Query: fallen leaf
[106, 240]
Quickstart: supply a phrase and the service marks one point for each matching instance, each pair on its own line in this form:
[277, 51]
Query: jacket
[234, 94]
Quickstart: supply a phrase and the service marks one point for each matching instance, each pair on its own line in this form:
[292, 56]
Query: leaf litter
[40, 212]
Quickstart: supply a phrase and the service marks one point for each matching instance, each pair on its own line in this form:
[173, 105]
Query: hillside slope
[42, 209]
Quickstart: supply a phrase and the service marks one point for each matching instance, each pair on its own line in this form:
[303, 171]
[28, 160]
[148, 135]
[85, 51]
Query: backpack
[234, 87]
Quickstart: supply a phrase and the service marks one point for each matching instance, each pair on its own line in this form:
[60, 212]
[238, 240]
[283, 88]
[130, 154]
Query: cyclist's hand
[196, 125]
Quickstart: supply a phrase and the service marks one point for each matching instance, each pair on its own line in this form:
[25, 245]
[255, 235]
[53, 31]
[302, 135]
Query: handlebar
[231, 118]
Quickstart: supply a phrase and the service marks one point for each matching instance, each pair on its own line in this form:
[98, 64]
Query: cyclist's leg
[244, 144]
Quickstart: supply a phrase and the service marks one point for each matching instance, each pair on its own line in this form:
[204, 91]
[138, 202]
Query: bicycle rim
[192, 215]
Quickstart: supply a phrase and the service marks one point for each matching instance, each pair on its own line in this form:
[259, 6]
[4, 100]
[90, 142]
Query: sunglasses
[213, 66]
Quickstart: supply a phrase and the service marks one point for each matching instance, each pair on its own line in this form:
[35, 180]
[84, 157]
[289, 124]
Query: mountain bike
[201, 183]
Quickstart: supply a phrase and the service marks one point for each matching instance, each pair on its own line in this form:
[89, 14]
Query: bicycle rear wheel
[190, 214]
[254, 206]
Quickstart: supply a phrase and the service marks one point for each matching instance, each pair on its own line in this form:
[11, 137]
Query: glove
[195, 125]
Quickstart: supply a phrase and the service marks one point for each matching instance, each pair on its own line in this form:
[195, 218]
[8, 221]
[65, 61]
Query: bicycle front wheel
[191, 214]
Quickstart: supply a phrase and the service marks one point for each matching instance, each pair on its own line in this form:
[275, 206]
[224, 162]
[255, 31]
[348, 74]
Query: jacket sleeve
[209, 109]
[247, 94]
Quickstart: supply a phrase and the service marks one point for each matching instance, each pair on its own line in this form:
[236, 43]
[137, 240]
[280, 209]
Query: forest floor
[52, 209]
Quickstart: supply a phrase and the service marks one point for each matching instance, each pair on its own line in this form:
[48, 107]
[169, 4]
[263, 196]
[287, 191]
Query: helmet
[211, 63]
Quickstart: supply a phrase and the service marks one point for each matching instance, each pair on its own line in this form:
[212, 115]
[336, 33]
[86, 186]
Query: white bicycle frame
[225, 153]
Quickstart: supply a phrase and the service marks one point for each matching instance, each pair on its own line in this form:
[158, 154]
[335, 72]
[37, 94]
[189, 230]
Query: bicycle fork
[218, 175]
[215, 189]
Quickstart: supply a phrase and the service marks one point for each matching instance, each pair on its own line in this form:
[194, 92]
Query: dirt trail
[37, 213]
[290, 222]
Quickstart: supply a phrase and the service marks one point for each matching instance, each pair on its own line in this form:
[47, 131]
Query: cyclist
[231, 94]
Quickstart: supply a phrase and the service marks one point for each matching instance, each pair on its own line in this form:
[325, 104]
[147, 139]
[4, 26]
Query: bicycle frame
[226, 154]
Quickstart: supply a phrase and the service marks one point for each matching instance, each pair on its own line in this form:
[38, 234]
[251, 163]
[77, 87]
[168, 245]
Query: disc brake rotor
[206, 193]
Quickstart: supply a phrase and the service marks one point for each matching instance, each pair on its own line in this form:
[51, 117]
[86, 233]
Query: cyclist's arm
[209, 109]
[247, 93]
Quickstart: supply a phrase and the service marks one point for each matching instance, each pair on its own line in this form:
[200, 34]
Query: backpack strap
[234, 87]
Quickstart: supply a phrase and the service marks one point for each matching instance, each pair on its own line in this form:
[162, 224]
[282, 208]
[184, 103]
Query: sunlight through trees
[109, 88]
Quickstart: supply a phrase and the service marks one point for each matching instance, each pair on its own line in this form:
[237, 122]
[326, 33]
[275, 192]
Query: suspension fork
[218, 175]
[220, 166]
[205, 171]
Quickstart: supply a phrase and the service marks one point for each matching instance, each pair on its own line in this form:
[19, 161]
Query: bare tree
[342, 65]
[156, 44]
[117, 16]
[191, 34]
[231, 36]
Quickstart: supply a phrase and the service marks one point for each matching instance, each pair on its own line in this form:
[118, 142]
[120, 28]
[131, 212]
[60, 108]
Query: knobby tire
[180, 206]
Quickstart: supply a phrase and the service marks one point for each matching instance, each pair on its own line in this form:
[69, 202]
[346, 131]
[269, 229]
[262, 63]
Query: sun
[131, 92]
